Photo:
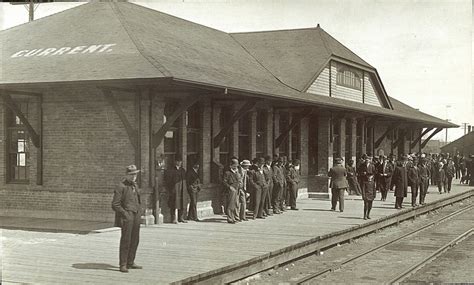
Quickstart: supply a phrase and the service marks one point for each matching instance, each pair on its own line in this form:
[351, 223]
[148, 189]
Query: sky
[422, 49]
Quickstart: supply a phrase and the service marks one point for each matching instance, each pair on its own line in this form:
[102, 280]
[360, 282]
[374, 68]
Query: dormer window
[348, 78]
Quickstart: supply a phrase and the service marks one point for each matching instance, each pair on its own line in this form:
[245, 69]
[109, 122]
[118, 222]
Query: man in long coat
[193, 184]
[424, 174]
[259, 183]
[338, 185]
[267, 168]
[367, 173]
[232, 182]
[400, 180]
[293, 179]
[278, 184]
[175, 181]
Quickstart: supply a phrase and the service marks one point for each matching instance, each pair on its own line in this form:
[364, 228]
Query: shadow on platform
[318, 210]
[95, 266]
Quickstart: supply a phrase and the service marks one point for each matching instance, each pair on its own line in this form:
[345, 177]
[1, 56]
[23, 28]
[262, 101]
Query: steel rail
[372, 250]
[402, 276]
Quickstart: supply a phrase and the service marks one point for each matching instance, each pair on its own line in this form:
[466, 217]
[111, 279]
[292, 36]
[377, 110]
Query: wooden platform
[171, 252]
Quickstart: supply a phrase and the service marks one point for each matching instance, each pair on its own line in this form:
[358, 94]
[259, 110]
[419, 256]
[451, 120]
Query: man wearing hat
[338, 185]
[413, 175]
[293, 179]
[278, 184]
[126, 204]
[175, 181]
[232, 181]
[384, 172]
[367, 175]
[243, 191]
[424, 174]
[259, 183]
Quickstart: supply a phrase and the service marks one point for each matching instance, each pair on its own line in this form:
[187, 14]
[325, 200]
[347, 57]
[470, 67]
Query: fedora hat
[245, 162]
[132, 169]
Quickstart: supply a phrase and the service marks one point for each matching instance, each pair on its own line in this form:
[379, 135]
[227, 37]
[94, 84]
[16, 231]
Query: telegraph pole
[465, 127]
[31, 10]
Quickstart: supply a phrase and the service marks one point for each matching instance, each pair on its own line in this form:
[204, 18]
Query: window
[224, 147]
[244, 137]
[348, 78]
[261, 127]
[17, 146]
[193, 128]
[172, 139]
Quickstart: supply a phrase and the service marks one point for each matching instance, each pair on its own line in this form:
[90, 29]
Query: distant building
[434, 146]
[463, 145]
[103, 85]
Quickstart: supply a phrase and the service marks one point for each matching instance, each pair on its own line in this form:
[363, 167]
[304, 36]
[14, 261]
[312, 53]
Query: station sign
[61, 51]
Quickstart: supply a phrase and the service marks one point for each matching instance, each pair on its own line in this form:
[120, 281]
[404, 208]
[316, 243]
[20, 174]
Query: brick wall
[85, 150]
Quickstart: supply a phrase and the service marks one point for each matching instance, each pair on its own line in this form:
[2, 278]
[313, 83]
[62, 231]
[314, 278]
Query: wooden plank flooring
[172, 252]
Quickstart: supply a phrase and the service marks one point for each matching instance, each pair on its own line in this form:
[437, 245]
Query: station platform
[195, 251]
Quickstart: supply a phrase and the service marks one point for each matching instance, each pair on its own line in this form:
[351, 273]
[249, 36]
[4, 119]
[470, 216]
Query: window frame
[348, 77]
[14, 124]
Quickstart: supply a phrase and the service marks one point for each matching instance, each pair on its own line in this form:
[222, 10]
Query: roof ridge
[138, 44]
[176, 17]
[272, 31]
[278, 79]
[324, 41]
[333, 38]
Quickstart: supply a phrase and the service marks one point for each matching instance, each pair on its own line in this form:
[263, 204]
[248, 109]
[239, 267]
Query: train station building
[90, 90]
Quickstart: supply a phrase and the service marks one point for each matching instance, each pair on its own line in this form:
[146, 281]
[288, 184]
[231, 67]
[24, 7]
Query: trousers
[129, 238]
[337, 195]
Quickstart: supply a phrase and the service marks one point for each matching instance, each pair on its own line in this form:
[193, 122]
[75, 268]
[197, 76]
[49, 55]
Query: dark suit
[338, 185]
[232, 182]
[384, 174]
[424, 174]
[450, 172]
[293, 180]
[400, 180]
[258, 182]
[126, 204]
[414, 182]
[441, 180]
[193, 183]
[267, 203]
[175, 181]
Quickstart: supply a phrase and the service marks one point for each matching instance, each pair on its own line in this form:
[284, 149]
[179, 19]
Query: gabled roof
[121, 41]
[295, 56]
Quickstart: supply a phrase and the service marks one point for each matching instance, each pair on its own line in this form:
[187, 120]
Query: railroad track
[402, 276]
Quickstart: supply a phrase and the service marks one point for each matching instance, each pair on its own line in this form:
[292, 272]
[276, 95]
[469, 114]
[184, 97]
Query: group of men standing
[384, 174]
[265, 187]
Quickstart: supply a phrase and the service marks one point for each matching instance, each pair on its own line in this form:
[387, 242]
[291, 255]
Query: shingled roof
[114, 41]
[295, 56]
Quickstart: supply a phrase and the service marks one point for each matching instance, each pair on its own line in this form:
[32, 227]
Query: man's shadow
[95, 266]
